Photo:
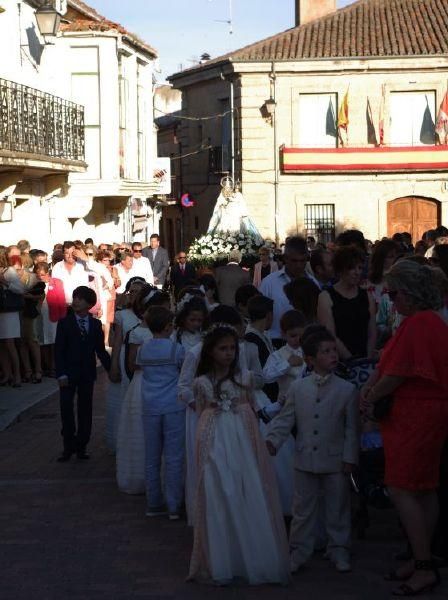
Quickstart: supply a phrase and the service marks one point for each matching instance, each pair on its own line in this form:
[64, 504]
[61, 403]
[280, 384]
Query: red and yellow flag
[442, 121]
[343, 119]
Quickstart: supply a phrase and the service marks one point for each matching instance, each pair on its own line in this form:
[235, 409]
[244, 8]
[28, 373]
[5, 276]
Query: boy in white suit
[325, 410]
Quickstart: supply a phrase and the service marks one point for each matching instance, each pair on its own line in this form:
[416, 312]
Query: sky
[182, 30]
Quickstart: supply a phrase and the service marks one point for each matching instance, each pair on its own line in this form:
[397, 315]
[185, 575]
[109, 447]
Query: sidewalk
[15, 402]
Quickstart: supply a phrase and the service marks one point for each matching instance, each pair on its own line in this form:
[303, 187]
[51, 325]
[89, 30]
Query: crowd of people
[251, 398]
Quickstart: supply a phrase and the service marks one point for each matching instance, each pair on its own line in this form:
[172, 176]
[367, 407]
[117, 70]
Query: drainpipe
[232, 129]
[273, 79]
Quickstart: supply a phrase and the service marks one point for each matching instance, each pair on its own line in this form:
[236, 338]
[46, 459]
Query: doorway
[413, 214]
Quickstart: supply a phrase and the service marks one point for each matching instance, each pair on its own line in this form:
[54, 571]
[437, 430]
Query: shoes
[295, 563]
[420, 565]
[156, 511]
[342, 565]
[65, 456]
[82, 455]
[174, 516]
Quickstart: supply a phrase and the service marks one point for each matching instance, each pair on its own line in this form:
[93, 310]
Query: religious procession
[239, 345]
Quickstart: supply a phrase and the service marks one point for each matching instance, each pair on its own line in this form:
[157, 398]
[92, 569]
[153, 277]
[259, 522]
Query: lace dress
[127, 320]
[130, 437]
[239, 531]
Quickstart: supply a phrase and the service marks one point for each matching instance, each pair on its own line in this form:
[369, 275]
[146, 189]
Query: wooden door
[412, 214]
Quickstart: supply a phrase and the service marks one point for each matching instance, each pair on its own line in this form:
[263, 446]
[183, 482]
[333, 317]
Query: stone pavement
[67, 533]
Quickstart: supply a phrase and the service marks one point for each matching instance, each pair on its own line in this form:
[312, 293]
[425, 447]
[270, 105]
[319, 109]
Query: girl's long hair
[196, 303]
[211, 339]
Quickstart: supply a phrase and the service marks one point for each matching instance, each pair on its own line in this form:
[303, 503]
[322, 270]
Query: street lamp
[269, 110]
[48, 20]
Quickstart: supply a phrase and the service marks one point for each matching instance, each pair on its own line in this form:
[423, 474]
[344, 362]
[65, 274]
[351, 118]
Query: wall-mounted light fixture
[268, 110]
[48, 20]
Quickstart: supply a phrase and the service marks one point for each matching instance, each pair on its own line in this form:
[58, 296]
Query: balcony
[374, 159]
[39, 130]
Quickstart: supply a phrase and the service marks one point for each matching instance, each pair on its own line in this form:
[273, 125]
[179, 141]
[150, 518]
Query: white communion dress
[130, 439]
[239, 533]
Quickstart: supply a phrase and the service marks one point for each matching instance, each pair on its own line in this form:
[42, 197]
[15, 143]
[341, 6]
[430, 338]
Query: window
[142, 110]
[412, 118]
[85, 87]
[319, 222]
[123, 116]
[318, 120]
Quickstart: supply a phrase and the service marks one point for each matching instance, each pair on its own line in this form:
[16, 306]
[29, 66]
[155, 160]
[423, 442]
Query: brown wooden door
[412, 214]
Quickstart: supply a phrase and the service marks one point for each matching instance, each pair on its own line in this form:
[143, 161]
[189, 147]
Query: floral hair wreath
[188, 298]
[216, 326]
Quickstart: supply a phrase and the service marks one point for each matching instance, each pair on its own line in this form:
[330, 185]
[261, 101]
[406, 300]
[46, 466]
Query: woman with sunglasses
[413, 373]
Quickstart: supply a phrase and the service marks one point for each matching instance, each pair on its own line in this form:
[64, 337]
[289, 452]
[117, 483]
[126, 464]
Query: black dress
[351, 317]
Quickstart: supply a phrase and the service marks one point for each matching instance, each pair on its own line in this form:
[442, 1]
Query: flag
[442, 121]
[330, 121]
[343, 119]
[381, 123]
[371, 132]
[427, 129]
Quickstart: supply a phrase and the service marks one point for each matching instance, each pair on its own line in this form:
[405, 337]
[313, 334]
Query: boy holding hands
[324, 408]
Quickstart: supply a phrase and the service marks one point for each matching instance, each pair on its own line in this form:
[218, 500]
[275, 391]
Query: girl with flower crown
[239, 532]
[191, 314]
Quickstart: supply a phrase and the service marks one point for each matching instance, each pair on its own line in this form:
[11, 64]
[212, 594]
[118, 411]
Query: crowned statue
[230, 215]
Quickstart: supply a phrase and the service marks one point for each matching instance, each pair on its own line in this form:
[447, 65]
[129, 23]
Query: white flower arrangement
[208, 249]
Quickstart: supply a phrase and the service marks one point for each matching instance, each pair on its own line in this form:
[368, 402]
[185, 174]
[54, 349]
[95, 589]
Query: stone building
[270, 113]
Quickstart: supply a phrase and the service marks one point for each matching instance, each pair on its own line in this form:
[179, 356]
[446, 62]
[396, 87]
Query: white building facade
[109, 72]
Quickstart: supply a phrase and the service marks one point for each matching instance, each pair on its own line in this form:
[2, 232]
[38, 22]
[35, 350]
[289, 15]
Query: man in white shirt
[70, 271]
[141, 266]
[272, 286]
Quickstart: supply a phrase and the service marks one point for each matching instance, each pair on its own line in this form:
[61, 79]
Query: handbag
[382, 407]
[10, 301]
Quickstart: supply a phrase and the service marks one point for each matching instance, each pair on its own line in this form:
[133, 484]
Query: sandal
[420, 565]
[399, 575]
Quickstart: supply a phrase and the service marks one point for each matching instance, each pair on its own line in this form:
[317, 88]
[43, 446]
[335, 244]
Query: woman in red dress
[414, 370]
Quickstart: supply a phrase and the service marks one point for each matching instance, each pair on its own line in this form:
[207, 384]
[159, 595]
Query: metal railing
[38, 123]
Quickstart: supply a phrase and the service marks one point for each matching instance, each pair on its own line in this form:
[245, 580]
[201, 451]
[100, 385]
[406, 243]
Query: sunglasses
[89, 253]
[182, 257]
[137, 251]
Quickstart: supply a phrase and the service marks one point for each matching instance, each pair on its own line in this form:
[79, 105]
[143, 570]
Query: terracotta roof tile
[82, 17]
[366, 28]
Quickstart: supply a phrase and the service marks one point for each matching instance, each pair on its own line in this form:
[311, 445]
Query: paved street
[66, 532]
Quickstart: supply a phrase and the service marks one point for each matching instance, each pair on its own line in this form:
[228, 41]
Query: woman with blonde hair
[264, 267]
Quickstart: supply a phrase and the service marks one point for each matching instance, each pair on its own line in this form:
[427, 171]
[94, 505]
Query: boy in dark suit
[79, 339]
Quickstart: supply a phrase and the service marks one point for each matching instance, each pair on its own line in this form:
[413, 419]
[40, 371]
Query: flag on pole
[442, 121]
[371, 132]
[381, 124]
[343, 119]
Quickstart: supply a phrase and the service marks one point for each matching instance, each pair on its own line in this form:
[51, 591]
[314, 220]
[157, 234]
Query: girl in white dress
[125, 320]
[190, 316]
[130, 449]
[239, 531]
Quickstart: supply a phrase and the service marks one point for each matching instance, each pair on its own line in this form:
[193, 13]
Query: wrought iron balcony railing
[37, 123]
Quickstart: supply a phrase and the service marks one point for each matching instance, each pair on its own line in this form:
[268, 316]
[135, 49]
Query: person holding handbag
[413, 370]
[13, 280]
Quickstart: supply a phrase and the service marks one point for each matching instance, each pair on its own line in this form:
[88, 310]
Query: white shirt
[71, 279]
[141, 267]
[124, 276]
[272, 287]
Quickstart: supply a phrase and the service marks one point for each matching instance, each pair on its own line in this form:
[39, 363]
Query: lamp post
[48, 20]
